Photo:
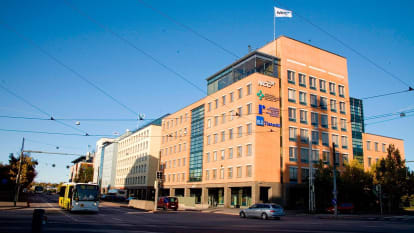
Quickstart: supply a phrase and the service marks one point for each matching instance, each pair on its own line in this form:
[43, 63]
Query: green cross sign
[260, 94]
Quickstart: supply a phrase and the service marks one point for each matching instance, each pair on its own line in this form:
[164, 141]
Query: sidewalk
[9, 205]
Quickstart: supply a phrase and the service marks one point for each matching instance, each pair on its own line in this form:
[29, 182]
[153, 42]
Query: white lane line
[117, 219]
[65, 214]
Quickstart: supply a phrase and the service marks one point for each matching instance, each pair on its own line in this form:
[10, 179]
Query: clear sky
[382, 31]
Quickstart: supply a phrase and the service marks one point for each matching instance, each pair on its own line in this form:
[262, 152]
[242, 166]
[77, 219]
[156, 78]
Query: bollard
[37, 220]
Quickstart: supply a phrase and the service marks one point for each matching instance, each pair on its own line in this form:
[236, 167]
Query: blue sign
[334, 201]
[271, 111]
[259, 120]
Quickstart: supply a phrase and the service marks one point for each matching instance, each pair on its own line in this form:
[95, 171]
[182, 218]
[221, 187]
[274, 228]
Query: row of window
[230, 96]
[174, 149]
[303, 117]
[315, 156]
[133, 149]
[169, 122]
[174, 177]
[222, 118]
[131, 180]
[174, 163]
[221, 154]
[124, 164]
[370, 161]
[139, 169]
[312, 82]
[239, 173]
[323, 101]
[316, 137]
[174, 136]
[376, 146]
[214, 138]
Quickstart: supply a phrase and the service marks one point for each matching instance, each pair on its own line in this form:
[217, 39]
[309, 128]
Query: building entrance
[241, 196]
[196, 193]
[215, 197]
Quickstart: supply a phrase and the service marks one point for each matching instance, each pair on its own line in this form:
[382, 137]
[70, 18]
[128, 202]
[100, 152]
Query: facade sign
[271, 111]
[268, 84]
[261, 122]
[267, 97]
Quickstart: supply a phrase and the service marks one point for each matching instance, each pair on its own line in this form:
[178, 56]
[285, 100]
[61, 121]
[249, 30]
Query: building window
[303, 116]
[324, 103]
[334, 122]
[336, 158]
[216, 103]
[215, 155]
[343, 124]
[332, 88]
[302, 80]
[230, 153]
[293, 174]
[216, 120]
[376, 146]
[344, 159]
[239, 131]
[209, 123]
[214, 174]
[239, 151]
[369, 161]
[291, 76]
[221, 173]
[341, 90]
[230, 172]
[383, 147]
[304, 136]
[335, 140]
[249, 170]
[325, 157]
[313, 100]
[223, 136]
[322, 85]
[249, 149]
[293, 154]
[249, 89]
[230, 134]
[207, 174]
[292, 134]
[312, 82]
[315, 137]
[215, 138]
[240, 92]
[324, 121]
[292, 114]
[208, 139]
[302, 98]
[239, 172]
[333, 105]
[223, 99]
[231, 113]
[239, 111]
[325, 139]
[223, 154]
[249, 129]
[342, 107]
[368, 145]
[315, 156]
[249, 109]
[344, 140]
[292, 95]
[304, 174]
[314, 119]
[223, 118]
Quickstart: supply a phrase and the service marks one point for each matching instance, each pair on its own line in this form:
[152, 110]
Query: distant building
[98, 159]
[358, 128]
[77, 164]
[109, 166]
[138, 160]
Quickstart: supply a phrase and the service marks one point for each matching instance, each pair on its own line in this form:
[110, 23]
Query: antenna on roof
[249, 48]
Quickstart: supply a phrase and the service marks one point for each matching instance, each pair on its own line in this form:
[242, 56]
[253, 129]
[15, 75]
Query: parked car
[342, 208]
[168, 203]
[263, 211]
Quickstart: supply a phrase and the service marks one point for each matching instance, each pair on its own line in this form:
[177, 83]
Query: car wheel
[264, 216]
[242, 215]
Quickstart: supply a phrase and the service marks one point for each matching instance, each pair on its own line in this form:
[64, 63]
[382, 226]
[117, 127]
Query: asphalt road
[113, 218]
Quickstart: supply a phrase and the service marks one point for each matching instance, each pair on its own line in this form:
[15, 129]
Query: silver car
[263, 211]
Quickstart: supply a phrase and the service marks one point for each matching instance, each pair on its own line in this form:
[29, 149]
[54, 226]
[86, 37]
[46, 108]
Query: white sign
[268, 84]
[282, 13]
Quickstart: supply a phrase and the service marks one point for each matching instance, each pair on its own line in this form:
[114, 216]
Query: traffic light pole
[335, 193]
[17, 188]
[157, 183]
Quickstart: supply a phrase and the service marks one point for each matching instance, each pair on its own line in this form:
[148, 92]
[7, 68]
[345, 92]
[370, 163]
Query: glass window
[221, 173]
[231, 97]
[249, 149]
[216, 119]
[240, 131]
[209, 106]
[249, 89]
[249, 170]
[341, 90]
[376, 146]
[335, 139]
[369, 161]
[223, 155]
[343, 124]
[344, 141]
[231, 114]
[315, 156]
[240, 93]
[325, 156]
[293, 173]
[325, 139]
[207, 174]
[324, 121]
[291, 76]
[223, 118]
[223, 136]
[304, 137]
[291, 95]
[302, 80]
[208, 139]
[215, 138]
[342, 107]
[302, 97]
[312, 82]
[383, 147]
[239, 172]
[223, 99]
[249, 129]
[214, 174]
[230, 134]
[332, 88]
[368, 145]
[333, 105]
[304, 174]
[292, 134]
[293, 153]
[215, 155]
[292, 114]
[216, 103]
[315, 137]
[303, 116]
[324, 103]
[239, 111]
[344, 159]
[230, 153]
[314, 119]
[249, 109]
[230, 172]
[334, 122]
[322, 85]
[313, 100]
[239, 151]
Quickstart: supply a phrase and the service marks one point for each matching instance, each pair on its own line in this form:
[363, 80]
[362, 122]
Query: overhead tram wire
[40, 110]
[73, 71]
[392, 119]
[163, 14]
[387, 94]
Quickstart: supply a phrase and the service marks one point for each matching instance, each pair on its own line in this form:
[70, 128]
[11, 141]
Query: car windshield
[87, 192]
[172, 199]
[276, 206]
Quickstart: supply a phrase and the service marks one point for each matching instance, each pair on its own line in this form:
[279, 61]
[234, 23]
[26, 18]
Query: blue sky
[383, 32]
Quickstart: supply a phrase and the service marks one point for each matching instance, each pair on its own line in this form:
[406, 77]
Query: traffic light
[159, 175]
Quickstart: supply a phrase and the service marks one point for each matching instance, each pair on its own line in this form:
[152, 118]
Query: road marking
[117, 219]
[65, 214]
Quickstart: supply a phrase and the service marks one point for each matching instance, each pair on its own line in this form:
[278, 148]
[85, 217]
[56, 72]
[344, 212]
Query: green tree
[28, 170]
[391, 174]
[85, 174]
[323, 186]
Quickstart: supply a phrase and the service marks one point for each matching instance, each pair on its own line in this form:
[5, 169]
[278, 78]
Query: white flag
[282, 13]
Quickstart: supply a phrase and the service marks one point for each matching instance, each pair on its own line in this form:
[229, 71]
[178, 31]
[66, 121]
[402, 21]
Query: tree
[391, 174]
[323, 186]
[28, 171]
[85, 174]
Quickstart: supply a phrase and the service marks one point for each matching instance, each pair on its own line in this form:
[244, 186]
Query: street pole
[335, 200]
[156, 185]
[17, 188]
